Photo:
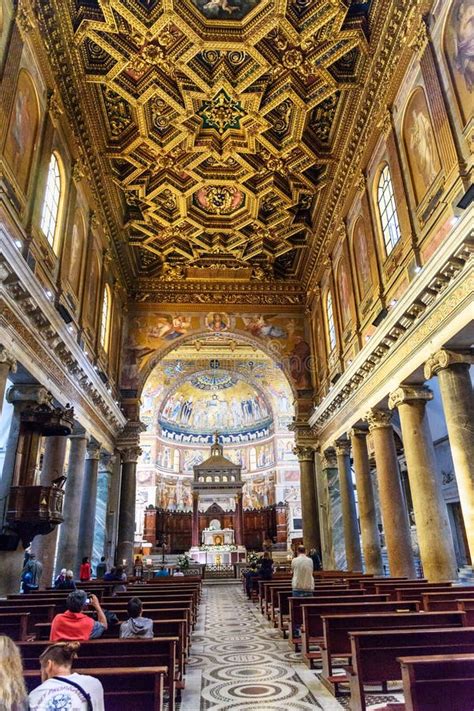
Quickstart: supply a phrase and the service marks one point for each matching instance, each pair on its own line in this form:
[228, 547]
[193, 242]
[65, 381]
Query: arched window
[388, 210]
[52, 196]
[331, 325]
[105, 319]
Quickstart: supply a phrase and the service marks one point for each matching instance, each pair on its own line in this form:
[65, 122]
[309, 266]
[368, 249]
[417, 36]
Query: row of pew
[359, 631]
[136, 674]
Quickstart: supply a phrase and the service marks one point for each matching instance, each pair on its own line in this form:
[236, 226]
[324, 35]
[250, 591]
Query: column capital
[130, 455]
[378, 419]
[29, 393]
[342, 447]
[78, 432]
[8, 358]
[328, 459]
[444, 359]
[93, 451]
[107, 461]
[357, 432]
[409, 393]
[305, 453]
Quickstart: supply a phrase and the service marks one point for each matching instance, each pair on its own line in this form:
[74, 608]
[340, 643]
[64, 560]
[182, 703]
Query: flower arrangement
[252, 557]
[183, 562]
[218, 549]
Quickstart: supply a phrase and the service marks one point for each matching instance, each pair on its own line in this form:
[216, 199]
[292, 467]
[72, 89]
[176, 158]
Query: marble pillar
[126, 528]
[392, 501]
[309, 502]
[53, 466]
[366, 501]
[195, 530]
[348, 506]
[68, 534]
[88, 504]
[338, 549]
[325, 524]
[7, 366]
[455, 386]
[104, 480]
[431, 517]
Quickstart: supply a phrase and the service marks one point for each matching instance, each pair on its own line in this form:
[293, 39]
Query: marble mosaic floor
[238, 661]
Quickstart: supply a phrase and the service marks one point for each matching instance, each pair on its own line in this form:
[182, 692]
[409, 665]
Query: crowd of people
[61, 687]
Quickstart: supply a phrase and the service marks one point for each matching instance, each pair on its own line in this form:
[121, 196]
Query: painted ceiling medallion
[222, 112]
[219, 199]
[225, 9]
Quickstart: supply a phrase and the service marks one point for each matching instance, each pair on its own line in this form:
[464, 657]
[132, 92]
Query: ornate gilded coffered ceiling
[218, 124]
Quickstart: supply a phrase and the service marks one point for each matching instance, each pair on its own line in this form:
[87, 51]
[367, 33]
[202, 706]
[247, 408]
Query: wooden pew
[283, 605]
[14, 625]
[336, 629]
[295, 605]
[467, 606]
[125, 689]
[117, 653]
[312, 631]
[375, 654]
[431, 600]
[438, 683]
[38, 613]
[272, 594]
[405, 593]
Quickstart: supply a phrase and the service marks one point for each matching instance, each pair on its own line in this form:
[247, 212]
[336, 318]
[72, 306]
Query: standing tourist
[302, 583]
[85, 571]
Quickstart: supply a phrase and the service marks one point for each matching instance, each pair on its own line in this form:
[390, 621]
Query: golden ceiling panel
[218, 118]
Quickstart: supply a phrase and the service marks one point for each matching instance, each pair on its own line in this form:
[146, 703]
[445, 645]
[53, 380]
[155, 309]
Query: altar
[217, 547]
[218, 537]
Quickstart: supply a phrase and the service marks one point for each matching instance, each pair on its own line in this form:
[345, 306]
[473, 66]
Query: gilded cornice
[432, 299]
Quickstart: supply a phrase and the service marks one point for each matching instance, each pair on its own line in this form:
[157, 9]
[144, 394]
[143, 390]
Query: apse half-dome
[215, 400]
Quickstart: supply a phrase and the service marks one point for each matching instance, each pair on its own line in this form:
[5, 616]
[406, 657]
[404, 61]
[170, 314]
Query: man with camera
[74, 624]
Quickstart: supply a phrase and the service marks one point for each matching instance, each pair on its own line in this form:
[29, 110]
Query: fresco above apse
[225, 9]
[200, 406]
[281, 335]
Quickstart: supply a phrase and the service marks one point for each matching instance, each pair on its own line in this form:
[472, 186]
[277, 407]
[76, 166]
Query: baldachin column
[309, 503]
[455, 386]
[68, 535]
[431, 515]
[128, 488]
[392, 501]
[349, 511]
[366, 500]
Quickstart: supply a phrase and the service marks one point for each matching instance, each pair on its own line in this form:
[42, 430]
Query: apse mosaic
[237, 410]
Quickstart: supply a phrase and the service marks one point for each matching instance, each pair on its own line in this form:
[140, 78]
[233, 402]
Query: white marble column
[431, 517]
[104, 480]
[455, 386]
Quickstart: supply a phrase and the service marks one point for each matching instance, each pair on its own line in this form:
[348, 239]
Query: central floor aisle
[238, 661]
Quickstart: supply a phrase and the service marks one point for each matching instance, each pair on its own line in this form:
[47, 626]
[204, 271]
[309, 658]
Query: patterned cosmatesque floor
[238, 661]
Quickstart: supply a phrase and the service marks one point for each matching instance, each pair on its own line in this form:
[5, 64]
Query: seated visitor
[316, 558]
[85, 571]
[13, 694]
[73, 624]
[61, 578]
[120, 576]
[162, 572]
[62, 688]
[266, 567]
[250, 575]
[101, 568]
[65, 580]
[136, 625]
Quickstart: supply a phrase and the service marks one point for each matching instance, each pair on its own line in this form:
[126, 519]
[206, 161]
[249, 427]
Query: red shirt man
[73, 624]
